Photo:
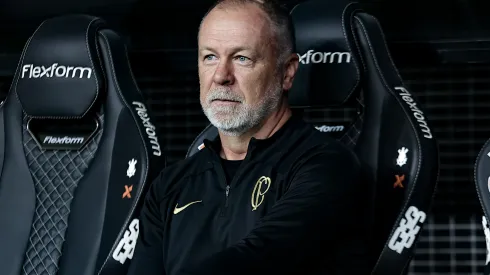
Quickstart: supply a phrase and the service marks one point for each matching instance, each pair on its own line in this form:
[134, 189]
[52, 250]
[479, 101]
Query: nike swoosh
[177, 209]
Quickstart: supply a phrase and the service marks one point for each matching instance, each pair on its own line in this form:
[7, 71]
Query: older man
[271, 195]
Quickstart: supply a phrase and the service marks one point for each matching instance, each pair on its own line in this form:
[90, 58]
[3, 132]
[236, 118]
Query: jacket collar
[293, 123]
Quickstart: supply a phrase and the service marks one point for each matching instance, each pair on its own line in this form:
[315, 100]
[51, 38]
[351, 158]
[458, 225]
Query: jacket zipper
[227, 192]
[228, 185]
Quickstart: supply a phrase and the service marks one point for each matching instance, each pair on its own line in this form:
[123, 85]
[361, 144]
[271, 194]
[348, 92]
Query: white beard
[237, 119]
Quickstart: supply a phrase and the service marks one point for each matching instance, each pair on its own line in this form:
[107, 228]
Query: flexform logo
[55, 70]
[327, 128]
[63, 140]
[150, 128]
[324, 57]
[417, 113]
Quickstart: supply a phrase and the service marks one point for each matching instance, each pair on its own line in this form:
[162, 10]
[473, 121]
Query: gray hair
[279, 18]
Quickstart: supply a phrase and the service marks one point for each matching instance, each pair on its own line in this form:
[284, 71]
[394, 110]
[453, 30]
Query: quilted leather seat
[79, 151]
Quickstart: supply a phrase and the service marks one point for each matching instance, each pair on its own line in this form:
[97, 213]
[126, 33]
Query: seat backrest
[79, 152]
[345, 63]
[391, 134]
[482, 181]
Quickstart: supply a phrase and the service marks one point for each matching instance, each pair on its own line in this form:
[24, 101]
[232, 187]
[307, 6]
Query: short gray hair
[279, 17]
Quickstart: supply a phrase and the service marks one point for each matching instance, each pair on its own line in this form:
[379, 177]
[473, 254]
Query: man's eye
[209, 57]
[243, 58]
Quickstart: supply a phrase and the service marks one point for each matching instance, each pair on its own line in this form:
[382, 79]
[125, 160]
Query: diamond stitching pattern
[350, 137]
[56, 175]
[352, 134]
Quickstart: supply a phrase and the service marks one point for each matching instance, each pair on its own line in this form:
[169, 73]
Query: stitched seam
[414, 181]
[21, 61]
[350, 50]
[356, 41]
[162, 148]
[478, 191]
[92, 65]
[126, 222]
[386, 45]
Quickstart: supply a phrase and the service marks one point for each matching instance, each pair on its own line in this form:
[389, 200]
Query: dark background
[442, 49]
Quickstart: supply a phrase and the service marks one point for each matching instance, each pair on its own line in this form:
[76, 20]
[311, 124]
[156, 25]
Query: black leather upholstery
[325, 78]
[482, 181]
[79, 151]
[45, 75]
[345, 60]
[400, 129]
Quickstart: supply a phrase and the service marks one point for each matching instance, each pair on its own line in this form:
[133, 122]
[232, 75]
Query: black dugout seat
[80, 150]
[344, 61]
[482, 181]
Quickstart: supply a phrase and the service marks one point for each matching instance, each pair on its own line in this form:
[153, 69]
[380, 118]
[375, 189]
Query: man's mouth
[225, 100]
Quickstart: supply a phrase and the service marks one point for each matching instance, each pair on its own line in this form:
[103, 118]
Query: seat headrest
[59, 73]
[330, 69]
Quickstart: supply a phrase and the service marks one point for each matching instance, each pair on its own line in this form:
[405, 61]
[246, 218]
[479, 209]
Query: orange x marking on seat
[399, 181]
[127, 193]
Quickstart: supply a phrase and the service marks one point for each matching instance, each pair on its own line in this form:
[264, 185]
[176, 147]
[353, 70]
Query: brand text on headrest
[324, 57]
[55, 70]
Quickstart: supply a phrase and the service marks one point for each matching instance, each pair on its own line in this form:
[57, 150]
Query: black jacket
[295, 206]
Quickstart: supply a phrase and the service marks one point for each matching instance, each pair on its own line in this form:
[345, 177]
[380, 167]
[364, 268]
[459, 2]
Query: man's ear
[290, 69]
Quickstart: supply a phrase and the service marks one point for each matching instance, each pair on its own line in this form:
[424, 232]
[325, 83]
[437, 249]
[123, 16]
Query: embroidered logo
[261, 187]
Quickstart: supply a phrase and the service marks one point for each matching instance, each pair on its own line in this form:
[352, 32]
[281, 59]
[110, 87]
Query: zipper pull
[226, 195]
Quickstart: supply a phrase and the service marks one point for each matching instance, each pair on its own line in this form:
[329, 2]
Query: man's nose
[224, 73]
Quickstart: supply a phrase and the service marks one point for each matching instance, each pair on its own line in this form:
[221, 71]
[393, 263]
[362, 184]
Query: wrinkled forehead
[244, 26]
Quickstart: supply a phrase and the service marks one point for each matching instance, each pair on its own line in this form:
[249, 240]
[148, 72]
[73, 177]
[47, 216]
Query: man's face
[240, 84]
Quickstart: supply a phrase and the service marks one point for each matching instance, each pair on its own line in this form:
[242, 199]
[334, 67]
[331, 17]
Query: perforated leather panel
[56, 175]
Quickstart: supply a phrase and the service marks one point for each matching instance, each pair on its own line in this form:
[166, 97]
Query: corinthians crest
[261, 187]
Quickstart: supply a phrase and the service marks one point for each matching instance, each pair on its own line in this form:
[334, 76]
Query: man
[271, 195]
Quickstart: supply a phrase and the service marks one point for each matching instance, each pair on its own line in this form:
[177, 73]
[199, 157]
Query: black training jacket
[295, 206]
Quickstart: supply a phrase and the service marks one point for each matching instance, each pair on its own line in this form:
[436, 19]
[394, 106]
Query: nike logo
[177, 209]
